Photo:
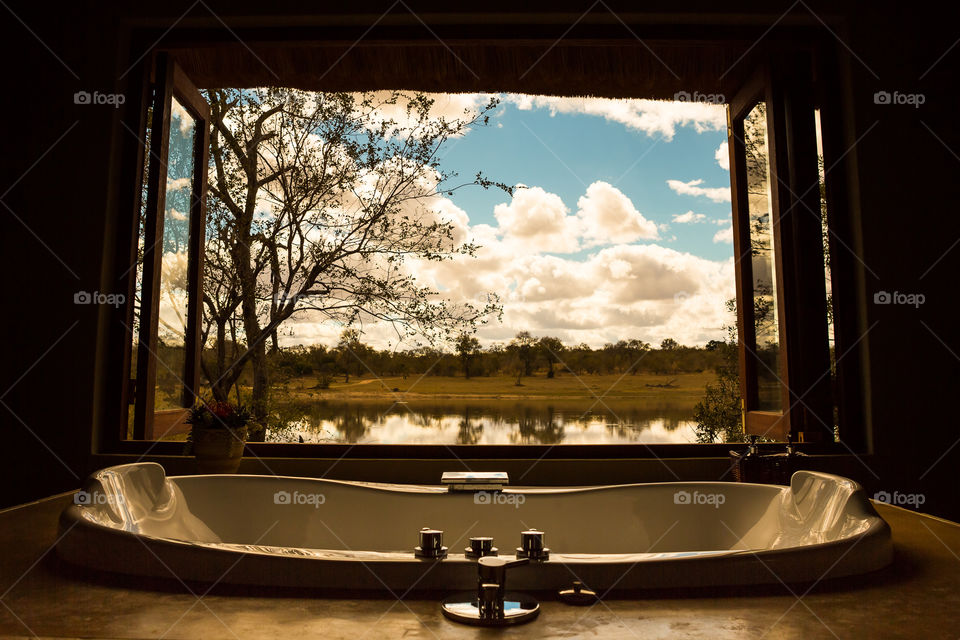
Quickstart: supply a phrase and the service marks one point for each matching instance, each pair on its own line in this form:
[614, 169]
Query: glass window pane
[828, 281]
[175, 254]
[766, 327]
[138, 266]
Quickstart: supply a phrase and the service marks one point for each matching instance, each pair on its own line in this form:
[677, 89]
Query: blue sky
[564, 153]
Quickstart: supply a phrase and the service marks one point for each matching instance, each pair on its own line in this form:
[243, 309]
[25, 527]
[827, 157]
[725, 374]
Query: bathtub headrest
[829, 504]
[126, 493]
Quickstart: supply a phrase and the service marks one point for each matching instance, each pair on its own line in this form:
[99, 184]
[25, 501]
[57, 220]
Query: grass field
[684, 387]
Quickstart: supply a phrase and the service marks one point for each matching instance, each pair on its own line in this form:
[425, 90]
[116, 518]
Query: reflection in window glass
[766, 328]
[173, 273]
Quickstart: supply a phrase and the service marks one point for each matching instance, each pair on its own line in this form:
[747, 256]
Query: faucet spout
[487, 606]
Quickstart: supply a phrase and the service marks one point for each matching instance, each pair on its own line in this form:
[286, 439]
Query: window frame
[791, 98]
[113, 440]
[169, 82]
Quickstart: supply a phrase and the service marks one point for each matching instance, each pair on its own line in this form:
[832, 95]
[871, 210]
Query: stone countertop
[917, 597]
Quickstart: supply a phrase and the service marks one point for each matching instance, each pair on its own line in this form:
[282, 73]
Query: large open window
[305, 201]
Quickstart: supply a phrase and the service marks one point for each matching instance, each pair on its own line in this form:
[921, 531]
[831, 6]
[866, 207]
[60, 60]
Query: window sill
[556, 467]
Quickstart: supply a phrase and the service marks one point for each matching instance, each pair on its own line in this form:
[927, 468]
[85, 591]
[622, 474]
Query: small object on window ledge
[771, 468]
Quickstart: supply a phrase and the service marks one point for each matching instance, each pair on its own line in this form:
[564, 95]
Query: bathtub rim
[71, 517]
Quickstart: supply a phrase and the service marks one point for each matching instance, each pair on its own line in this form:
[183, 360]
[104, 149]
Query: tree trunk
[261, 387]
[218, 387]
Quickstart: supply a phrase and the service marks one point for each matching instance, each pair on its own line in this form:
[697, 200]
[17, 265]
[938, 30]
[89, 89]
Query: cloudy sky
[621, 230]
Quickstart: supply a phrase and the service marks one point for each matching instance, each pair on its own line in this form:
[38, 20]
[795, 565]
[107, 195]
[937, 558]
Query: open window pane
[174, 290]
[766, 344]
[167, 290]
[137, 271]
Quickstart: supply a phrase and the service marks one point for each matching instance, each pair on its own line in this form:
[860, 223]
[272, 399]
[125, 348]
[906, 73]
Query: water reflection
[494, 423]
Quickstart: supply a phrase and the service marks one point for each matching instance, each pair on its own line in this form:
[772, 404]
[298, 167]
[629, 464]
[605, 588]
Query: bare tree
[325, 201]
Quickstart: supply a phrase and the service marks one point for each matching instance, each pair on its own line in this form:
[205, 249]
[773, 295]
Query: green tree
[719, 415]
[552, 350]
[467, 349]
[351, 354]
[523, 348]
[669, 344]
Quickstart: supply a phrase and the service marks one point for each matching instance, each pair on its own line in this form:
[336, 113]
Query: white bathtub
[270, 530]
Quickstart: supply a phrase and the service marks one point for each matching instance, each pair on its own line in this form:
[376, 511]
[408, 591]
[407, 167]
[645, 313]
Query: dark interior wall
[909, 160]
[60, 197]
[54, 187]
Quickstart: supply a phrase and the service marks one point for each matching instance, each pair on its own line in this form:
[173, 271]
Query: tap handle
[497, 562]
[493, 569]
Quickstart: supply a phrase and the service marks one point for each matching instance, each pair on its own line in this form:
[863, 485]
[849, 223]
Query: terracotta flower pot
[218, 450]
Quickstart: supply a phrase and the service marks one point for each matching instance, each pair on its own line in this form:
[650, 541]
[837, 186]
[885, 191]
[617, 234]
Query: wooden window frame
[791, 99]
[170, 82]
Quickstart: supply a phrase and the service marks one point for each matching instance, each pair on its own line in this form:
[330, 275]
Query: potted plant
[218, 431]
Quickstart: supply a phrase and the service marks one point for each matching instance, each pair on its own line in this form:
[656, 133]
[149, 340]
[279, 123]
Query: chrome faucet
[491, 584]
[492, 605]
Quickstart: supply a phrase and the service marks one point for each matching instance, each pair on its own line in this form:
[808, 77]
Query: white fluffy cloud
[689, 218]
[693, 188]
[724, 235]
[653, 117]
[537, 220]
[609, 217]
[722, 156]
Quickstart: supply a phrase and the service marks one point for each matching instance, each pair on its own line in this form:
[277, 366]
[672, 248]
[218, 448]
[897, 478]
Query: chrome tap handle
[491, 583]
[494, 568]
